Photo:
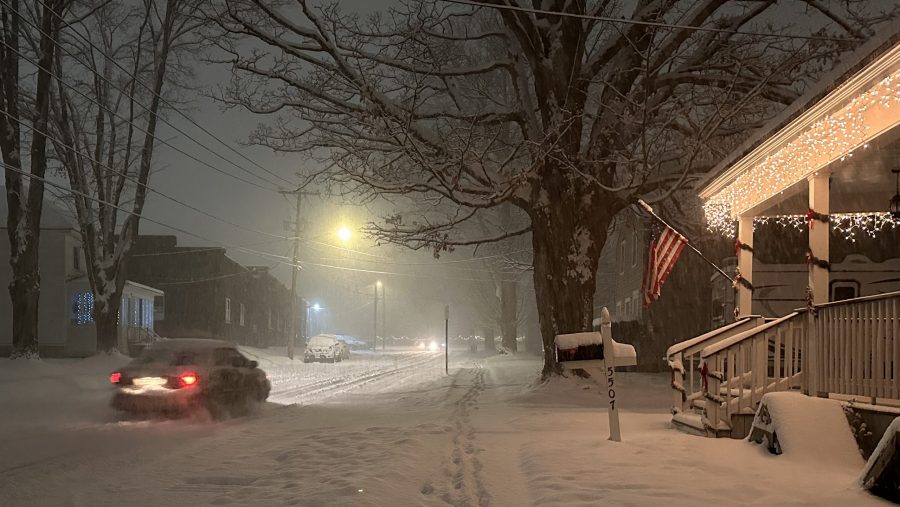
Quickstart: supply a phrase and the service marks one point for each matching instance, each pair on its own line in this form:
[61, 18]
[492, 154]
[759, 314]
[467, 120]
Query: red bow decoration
[810, 214]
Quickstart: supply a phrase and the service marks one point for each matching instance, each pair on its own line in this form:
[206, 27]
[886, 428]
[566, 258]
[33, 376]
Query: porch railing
[849, 347]
[858, 347]
[684, 360]
[744, 367]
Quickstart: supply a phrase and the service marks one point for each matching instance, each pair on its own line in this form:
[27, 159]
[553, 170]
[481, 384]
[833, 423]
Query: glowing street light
[344, 234]
[316, 307]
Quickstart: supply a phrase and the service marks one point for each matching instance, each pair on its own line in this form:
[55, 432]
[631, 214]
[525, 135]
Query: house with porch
[65, 312]
[828, 167]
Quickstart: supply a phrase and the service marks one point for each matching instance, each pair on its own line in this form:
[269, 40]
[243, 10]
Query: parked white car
[324, 348]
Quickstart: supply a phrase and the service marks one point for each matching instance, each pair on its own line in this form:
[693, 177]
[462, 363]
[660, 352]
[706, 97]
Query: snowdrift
[806, 429]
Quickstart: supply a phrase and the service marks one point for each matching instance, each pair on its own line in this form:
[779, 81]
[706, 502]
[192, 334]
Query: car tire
[216, 406]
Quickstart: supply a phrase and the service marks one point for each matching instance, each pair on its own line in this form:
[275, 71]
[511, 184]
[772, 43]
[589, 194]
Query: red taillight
[187, 379]
[115, 377]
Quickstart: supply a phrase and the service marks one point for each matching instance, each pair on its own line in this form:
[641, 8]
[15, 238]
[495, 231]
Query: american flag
[665, 247]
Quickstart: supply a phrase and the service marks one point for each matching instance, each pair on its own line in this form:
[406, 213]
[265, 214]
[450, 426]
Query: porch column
[744, 299]
[811, 381]
[818, 236]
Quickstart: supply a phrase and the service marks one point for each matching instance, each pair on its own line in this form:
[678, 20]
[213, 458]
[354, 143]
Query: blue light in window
[83, 308]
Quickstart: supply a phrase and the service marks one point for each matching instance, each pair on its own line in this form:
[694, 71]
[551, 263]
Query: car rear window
[171, 357]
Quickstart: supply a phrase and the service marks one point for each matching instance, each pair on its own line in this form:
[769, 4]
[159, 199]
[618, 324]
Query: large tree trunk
[508, 314]
[106, 318]
[24, 209]
[107, 303]
[25, 290]
[567, 244]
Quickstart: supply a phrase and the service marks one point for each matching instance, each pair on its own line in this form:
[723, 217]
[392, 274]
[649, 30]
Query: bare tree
[573, 121]
[117, 65]
[25, 105]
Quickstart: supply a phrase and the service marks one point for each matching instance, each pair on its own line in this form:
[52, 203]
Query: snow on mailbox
[579, 350]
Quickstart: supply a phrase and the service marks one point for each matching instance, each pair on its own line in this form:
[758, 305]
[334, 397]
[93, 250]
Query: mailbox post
[597, 351]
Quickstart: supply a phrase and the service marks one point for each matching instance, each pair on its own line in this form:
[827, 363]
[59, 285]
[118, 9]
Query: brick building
[209, 295]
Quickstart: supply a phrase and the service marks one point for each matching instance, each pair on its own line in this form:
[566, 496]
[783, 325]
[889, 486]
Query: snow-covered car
[183, 375]
[323, 348]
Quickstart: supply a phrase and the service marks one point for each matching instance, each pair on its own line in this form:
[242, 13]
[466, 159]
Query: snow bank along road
[387, 429]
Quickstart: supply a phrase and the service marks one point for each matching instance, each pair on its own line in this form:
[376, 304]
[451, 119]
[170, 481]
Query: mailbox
[579, 350]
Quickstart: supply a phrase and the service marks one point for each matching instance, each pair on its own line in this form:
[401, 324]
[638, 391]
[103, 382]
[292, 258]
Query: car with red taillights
[179, 376]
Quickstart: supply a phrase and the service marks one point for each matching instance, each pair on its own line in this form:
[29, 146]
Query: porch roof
[852, 106]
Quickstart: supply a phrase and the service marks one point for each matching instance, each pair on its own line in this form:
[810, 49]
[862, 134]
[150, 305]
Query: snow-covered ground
[387, 429]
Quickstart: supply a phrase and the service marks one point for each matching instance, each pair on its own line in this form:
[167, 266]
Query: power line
[162, 140]
[130, 212]
[281, 258]
[161, 118]
[647, 23]
[148, 187]
[180, 113]
[278, 237]
[144, 185]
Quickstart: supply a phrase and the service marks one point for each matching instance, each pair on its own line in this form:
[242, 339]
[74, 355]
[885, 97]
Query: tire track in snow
[464, 484]
[327, 388]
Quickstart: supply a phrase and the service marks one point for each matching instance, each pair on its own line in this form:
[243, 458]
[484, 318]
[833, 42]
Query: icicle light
[848, 225]
[841, 134]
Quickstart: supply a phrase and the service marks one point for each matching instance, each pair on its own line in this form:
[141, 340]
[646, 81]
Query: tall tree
[608, 102]
[25, 110]
[117, 65]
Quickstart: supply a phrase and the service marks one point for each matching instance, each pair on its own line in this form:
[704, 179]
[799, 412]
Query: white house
[826, 166]
[65, 326]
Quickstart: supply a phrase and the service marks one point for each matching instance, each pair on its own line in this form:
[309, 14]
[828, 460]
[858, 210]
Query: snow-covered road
[387, 429]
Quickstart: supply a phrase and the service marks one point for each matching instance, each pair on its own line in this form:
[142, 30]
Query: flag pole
[649, 210]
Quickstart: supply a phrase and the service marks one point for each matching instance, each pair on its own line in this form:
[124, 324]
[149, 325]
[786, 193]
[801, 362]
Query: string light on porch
[848, 225]
[841, 133]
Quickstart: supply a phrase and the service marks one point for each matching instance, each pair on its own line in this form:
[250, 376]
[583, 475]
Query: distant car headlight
[433, 346]
[420, 345]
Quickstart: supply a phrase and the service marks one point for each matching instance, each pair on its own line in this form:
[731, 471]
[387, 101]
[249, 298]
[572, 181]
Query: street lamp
[344, 234]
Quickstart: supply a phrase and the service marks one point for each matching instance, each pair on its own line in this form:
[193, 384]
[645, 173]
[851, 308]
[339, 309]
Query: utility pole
[375, 320]
[295, 230]
[383, 319]
[446, 339]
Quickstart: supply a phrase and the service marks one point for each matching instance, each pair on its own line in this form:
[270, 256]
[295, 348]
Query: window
[619, 310]
[227, 311]
[622, 257]
[270, 319]
[82, 308]
[634, 249]
[627, 313]
[146, 313]
[159, 308]
[76, 258]
[844, 289]
[241, 318]
[636, 301]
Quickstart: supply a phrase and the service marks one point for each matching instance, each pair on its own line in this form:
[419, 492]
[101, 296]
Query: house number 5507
[611, 384]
